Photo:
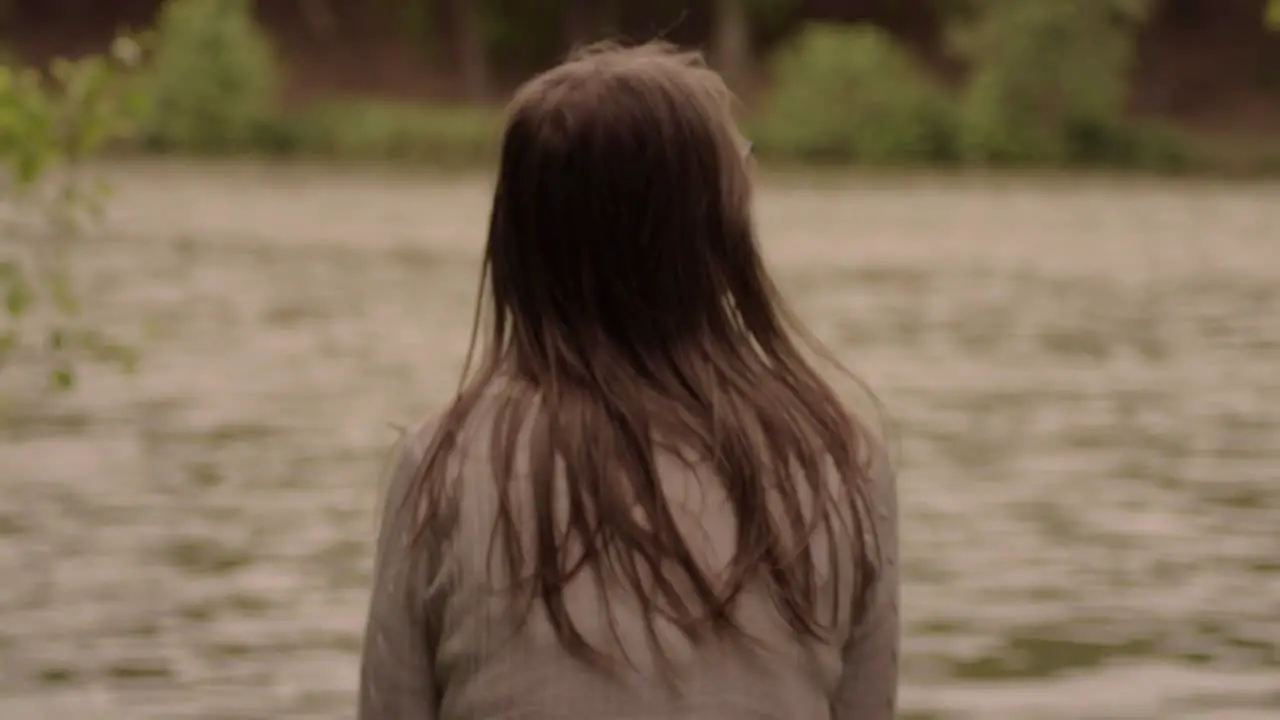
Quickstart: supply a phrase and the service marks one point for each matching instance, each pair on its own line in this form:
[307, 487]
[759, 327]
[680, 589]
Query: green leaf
[57, 117]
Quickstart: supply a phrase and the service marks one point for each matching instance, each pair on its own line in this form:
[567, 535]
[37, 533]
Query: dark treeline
[1202, 61]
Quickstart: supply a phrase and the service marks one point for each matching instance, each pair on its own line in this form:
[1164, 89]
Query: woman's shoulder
[465, 439]
[407, 452]
[415, 439]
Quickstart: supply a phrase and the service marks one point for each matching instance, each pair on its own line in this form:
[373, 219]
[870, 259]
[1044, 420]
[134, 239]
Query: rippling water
[1086, 373]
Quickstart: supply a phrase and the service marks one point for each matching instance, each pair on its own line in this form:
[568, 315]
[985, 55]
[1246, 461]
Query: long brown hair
[628, 307]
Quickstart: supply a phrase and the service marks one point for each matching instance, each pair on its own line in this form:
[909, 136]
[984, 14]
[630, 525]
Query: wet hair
[629, 311]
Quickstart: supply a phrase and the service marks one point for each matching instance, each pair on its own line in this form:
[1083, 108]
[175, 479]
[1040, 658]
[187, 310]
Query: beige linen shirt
[444, 647]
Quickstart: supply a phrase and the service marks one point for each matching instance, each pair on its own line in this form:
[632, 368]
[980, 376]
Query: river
[1085, 371]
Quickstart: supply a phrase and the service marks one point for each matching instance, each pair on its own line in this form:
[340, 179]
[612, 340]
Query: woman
[645, 503]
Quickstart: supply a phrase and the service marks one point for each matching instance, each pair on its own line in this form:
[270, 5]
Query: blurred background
[241, 241]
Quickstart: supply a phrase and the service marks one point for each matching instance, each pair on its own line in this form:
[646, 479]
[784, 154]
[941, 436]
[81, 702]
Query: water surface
[1085, 373]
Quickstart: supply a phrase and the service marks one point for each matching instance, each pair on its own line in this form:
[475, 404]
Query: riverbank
[453, 136]
[214, 79]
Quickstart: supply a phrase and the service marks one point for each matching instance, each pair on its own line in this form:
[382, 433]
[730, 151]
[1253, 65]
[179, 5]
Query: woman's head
[631, 312]
[621, 221]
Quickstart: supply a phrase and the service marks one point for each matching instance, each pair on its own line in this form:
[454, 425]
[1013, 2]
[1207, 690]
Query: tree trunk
[470, 52]
[731, 41]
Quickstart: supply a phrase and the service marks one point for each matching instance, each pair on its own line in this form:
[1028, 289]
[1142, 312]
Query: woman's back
[459, 653]
[645, 501]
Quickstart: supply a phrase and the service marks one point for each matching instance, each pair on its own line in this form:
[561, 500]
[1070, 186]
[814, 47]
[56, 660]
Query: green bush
[852, 93]
[213, 80]
[396, 132]
[1042, 75]
[50, 123]
[1144, 145]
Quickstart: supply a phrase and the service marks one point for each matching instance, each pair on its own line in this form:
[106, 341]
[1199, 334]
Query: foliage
[521, 35]
[213, 79]
[383, 131]
[1041, 74]
[1046, 83]
[852, 93]
[49, 125]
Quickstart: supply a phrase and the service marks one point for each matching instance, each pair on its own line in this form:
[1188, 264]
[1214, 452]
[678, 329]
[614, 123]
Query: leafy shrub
[1146, 145]
[1043, 73]
[49, 123]
[852, 93]
[214, 77]
[396, 132]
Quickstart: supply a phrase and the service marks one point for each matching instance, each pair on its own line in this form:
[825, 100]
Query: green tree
[50, 124]
[853, 93]
[1041, 72]
[213, 78]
